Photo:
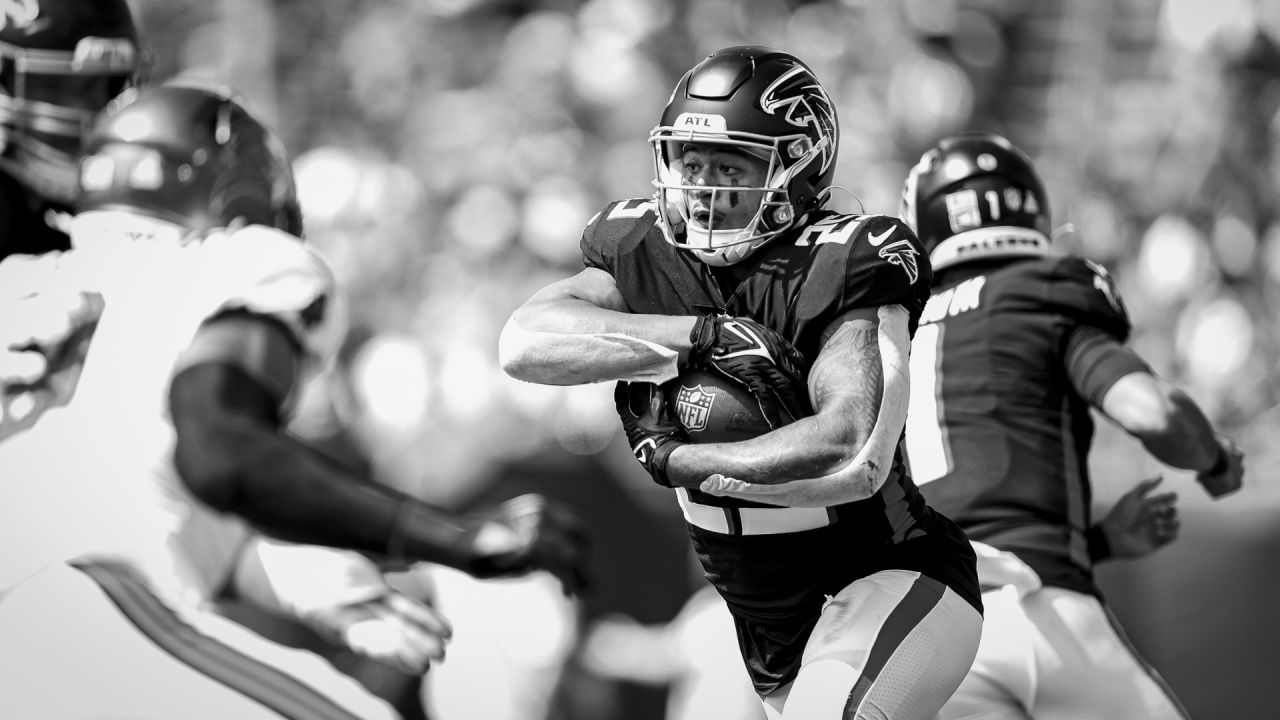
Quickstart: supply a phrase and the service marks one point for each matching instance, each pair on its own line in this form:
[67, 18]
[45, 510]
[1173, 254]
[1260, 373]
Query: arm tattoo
[851, 367]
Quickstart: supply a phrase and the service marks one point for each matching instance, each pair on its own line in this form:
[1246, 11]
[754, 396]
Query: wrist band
[1220, 465]
[702, 335]
[397, 538]
[658, 463]
[1098, 544]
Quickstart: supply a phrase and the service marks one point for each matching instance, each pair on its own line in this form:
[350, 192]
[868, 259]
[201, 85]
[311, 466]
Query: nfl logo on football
[693, 405]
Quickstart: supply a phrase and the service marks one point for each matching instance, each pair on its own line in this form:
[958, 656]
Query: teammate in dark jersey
[60, 63]
[848, 592]
[1014, 348]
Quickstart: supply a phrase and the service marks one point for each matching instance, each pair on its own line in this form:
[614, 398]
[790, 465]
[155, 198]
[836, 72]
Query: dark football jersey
[797, 285]
[998, 439]
[27, 224]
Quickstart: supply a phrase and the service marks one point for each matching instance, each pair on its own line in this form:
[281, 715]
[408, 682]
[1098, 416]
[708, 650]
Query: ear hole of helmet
[798, 148]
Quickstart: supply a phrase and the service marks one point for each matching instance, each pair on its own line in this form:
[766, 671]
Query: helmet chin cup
[674, 216]
[719, 247]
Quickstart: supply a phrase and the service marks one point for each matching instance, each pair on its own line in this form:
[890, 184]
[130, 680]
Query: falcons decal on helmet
[907, 204]
[805, 104]
[903, 254]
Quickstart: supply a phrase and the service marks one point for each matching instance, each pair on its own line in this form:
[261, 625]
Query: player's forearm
[231, 454]
[289, 491]
[858, 479]
[809, 447]
[572, 342]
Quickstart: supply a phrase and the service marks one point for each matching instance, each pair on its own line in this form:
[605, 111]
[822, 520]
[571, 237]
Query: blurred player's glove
[528, 533]
[653, 431]
[391, 628]
[1227, 475]
[43, 342]
[756, 357]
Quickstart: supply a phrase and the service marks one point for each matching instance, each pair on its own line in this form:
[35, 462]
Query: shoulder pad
[1073, 287]
[26, 275]
[273, 273]
[879, 257]
[619, 226]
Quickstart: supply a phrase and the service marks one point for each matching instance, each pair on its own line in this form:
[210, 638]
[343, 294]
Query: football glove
[756, 357]
[653, 431]
[392, 628]
[1227, 474]
[528, 533]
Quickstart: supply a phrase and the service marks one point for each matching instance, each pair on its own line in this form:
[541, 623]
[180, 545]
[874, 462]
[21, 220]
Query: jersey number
[928, 446]
[838, 229]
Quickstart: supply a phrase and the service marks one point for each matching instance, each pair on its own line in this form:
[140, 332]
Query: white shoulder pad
[22, 276]
[275, 274]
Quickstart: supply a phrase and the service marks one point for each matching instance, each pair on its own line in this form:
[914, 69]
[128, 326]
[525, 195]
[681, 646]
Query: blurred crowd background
[448, 153]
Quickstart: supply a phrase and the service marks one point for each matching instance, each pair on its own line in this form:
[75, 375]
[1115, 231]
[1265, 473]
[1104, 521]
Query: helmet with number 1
[61, 61]
[974, 196]
[761, 102]
[192, 156]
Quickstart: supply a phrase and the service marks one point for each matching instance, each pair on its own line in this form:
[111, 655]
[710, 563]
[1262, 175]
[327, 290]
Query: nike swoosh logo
[878, 240]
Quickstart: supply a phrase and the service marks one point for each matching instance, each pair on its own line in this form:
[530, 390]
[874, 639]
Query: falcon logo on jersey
[693, 407]
[804, 103]
[903, 254]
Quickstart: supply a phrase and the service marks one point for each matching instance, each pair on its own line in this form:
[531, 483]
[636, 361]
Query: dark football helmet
[61, 61]
[768, 104]
[974, 195]
[194, 156]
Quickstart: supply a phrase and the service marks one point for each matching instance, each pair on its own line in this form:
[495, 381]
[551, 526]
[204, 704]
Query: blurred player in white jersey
[164, 353]
[61, 62]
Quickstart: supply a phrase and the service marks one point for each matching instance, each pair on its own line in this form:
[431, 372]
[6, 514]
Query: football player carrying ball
[848, 592]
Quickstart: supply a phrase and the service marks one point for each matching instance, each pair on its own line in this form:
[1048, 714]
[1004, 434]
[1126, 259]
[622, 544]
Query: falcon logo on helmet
[803, 103]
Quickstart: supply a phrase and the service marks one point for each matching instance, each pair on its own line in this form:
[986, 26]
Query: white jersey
[95, 475]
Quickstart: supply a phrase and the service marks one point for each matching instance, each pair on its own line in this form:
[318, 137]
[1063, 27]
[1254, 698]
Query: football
[712, 408]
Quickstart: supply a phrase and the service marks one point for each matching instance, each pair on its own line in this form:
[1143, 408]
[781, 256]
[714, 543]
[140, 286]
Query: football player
[1015, 347]
[850, 596]
[60, 62]
[200, 313]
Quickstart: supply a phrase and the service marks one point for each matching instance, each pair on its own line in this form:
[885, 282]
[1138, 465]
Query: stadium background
[449, 152]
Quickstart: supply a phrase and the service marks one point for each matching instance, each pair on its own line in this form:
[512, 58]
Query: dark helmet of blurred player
[764, 103]
[973, 196]
[61, 61]
[192, 156]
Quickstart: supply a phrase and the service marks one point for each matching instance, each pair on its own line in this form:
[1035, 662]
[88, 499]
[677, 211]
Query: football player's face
[723, 168]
